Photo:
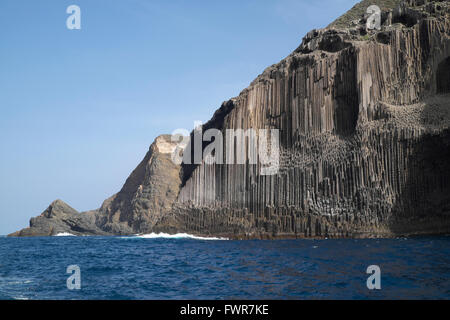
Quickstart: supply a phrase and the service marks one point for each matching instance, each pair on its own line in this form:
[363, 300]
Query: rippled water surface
[155, 268]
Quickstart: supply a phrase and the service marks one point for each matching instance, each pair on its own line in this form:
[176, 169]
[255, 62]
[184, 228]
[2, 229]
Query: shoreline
[247, 237]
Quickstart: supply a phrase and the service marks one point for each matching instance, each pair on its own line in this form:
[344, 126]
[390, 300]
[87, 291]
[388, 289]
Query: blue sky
[79, 108]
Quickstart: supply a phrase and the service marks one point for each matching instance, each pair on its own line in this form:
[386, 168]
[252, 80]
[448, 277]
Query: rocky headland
[364, 122]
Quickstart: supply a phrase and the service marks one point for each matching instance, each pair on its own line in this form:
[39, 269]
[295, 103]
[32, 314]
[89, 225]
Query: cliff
[148, 194]
[363, 119]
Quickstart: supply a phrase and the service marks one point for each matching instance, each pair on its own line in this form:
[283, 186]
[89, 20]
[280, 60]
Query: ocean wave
[172, 236]
[64, 234]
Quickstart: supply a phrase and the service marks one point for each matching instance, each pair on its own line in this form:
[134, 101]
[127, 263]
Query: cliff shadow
[346, 94]
[423, 207]
[443, 77]
[217, 122]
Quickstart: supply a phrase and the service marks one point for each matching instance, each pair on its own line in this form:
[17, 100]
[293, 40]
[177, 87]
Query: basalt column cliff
[364, 126]
[364, 123]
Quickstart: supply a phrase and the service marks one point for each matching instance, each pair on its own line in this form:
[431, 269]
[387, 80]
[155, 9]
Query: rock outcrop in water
[364, 120]
[60, 218]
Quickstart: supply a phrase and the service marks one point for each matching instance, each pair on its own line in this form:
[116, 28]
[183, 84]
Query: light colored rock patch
[165, 146]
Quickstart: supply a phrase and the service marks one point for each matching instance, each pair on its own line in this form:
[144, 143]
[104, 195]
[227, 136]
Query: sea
[160, 266]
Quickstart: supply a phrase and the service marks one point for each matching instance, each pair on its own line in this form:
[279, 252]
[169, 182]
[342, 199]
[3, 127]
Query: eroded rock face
[364, 120]
[148, 193]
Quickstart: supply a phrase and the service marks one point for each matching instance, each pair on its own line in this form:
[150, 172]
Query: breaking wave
[173, 236]
[64, 234]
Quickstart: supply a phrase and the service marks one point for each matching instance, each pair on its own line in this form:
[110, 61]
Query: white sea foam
[64, 234]
[173, 236]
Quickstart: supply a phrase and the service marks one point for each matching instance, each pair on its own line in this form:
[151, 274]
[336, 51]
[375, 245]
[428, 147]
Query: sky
[80, 108]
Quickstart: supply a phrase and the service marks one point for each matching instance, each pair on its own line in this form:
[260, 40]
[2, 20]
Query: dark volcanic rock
[364, 126]
[59, 217]
[364, 120]
[148, 193]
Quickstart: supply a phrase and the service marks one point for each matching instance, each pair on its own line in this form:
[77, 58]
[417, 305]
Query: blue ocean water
[140, 268]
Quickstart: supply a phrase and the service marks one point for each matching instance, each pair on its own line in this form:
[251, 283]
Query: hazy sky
[79, 108]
